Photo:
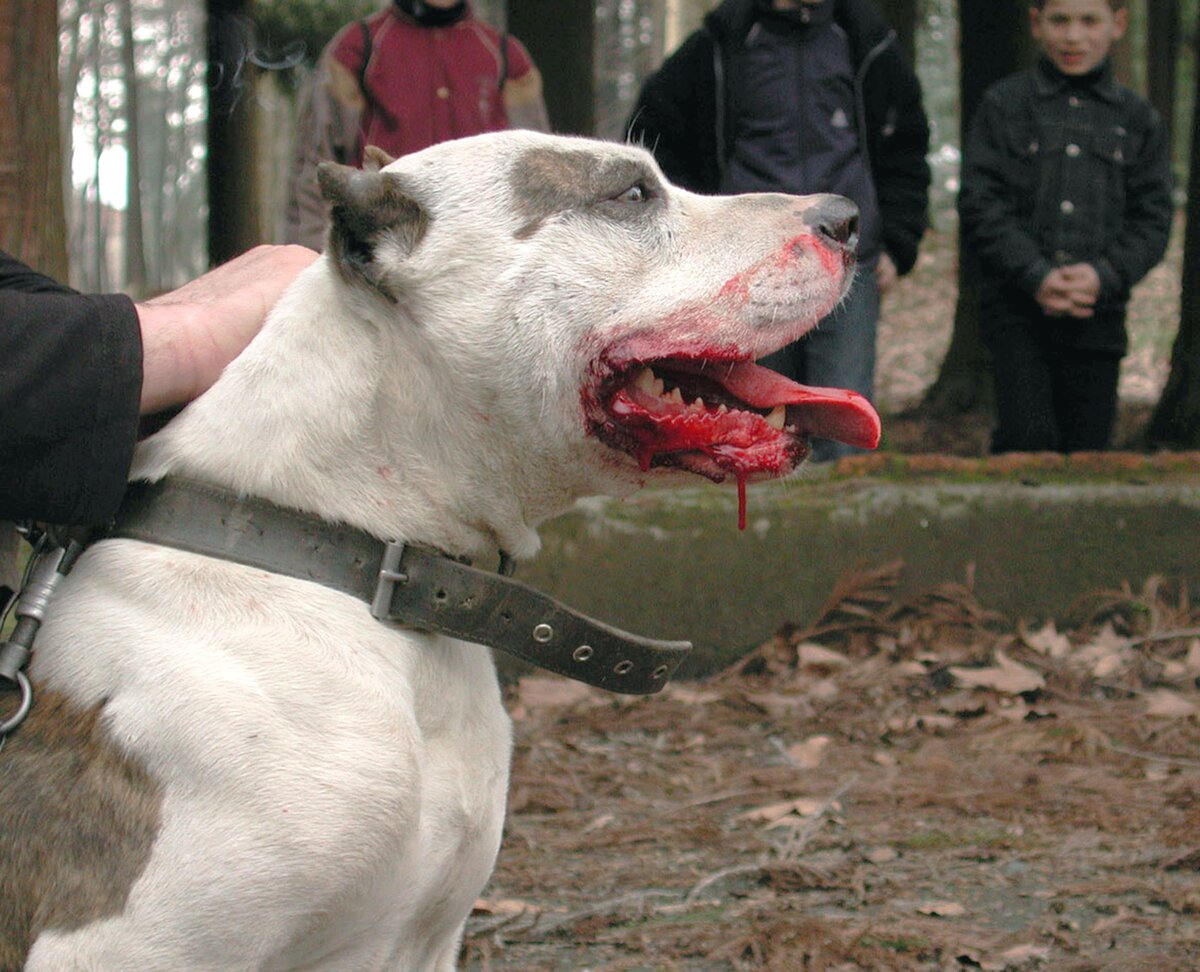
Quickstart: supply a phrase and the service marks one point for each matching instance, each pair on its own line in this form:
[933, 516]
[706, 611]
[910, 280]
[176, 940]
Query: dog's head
[596, 317]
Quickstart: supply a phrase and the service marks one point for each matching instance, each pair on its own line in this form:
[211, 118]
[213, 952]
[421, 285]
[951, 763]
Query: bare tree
[561, 38]
[1163, 27]
[993, 42]
[135, 248]
[32, 221]
[1176, 419]
[233, 210]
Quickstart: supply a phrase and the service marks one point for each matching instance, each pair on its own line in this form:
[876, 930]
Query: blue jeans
[838, 353]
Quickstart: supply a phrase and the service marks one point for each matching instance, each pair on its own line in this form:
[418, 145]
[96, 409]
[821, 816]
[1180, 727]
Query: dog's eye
[637, 193]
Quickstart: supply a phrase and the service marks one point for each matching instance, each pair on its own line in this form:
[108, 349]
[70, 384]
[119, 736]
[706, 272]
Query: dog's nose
[835, 218]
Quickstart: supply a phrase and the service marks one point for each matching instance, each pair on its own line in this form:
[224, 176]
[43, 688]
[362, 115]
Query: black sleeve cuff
[70, 386]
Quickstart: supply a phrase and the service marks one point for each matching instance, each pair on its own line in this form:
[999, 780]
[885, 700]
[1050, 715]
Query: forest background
[129, 128]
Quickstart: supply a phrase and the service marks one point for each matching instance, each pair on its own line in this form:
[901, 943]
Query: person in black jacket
[803, 97]
[1066, 200]
[77, 370]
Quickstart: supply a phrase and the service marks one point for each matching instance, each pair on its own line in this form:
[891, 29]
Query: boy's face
[1077, 34]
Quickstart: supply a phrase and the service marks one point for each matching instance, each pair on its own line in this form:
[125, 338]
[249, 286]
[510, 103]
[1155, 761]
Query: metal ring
[542, 633]
[623, 667]
[11, 723]
[659, 672]
[582, 653]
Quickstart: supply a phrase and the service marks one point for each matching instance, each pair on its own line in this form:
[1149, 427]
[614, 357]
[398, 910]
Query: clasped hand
[1070, 291]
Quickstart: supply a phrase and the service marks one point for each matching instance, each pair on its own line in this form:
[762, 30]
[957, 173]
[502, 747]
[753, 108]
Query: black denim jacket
[1059, 170]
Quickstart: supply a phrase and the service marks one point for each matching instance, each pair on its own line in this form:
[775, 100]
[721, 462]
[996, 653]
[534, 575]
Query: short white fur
[334, 788]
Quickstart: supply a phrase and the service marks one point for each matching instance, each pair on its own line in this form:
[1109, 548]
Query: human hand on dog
[189, 335]
[1070, 291]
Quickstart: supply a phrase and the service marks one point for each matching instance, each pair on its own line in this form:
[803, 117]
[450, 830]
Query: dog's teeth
[722, 408]
[659, 388]
[777, 417]
[676, 396]
[645, 382]
[698, 404]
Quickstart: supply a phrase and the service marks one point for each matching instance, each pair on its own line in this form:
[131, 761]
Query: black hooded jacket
[686, 113]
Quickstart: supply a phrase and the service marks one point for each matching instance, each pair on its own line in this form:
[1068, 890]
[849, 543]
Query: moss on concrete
[1035, 536]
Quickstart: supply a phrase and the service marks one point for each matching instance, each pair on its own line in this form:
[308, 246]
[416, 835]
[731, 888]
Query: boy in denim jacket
[1066, 200]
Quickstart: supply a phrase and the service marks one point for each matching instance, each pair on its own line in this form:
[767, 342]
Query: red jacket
[421, 85]
[426, 85]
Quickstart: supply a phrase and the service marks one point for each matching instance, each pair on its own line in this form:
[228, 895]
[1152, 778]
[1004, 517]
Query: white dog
[230, 768]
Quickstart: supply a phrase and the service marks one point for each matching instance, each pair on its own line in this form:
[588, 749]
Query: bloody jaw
[721, 418]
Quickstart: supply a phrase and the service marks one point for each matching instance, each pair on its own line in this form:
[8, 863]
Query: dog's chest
[324, 763]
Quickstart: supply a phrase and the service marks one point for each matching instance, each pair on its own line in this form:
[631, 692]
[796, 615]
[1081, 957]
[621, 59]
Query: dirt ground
[889, 786]
[896, 786]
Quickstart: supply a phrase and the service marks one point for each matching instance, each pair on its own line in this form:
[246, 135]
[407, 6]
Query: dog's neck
[379, 436]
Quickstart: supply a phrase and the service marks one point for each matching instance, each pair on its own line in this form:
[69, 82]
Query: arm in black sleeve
[899, 164]
[989, 203]
[1131, 254]
[70, 384]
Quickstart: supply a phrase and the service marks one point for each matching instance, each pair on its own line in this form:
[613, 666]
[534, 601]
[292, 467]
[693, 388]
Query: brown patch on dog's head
[548, 181]
[366, 208]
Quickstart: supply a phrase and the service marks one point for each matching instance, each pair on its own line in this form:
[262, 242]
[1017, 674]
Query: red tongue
[826, 413]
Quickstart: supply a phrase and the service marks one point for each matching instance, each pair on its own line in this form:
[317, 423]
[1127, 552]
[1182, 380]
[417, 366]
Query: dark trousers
[1051, 398]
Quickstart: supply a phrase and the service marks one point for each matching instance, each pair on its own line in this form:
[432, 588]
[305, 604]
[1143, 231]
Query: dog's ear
[368, 210]
[375, 158]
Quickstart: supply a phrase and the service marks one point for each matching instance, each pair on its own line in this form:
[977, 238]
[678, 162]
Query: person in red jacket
[415, 74]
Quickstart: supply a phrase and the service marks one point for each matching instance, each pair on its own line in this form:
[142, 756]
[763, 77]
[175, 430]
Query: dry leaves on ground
[893, 786]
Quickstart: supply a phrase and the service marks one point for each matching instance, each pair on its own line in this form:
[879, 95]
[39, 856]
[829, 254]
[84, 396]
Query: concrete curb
[1035, 535]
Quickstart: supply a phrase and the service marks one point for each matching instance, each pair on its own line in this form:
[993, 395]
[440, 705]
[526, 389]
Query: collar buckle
[389, 576]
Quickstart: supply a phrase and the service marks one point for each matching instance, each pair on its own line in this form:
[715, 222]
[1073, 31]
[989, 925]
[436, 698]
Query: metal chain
[47, 566]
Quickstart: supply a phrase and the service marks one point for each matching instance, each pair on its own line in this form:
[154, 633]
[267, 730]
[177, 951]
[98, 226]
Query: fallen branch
[789, 852]
[1166, 636]
[612, 905]
[800, 837]
[1156, 757]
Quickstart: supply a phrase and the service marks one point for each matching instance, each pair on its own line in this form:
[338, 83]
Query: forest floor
[890, 786]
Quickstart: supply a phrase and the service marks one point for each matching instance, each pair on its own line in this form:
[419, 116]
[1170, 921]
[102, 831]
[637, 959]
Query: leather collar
[411, 586]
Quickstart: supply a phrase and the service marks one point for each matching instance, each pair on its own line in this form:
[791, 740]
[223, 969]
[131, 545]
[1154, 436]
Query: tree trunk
[32, 215]
[1176, 419]
[1162, 58]
[135, 244]
[902, 15]
[69, 81]
[561, 38]
[1124, 54]
[233, 210]
[994, 41]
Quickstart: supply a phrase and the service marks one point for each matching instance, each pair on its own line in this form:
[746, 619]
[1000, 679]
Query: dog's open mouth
[726, 418]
